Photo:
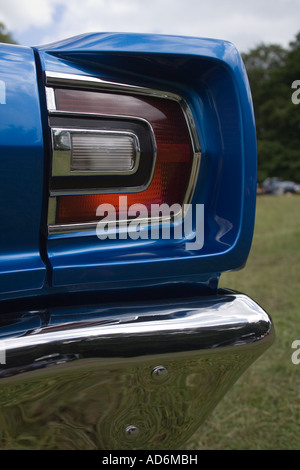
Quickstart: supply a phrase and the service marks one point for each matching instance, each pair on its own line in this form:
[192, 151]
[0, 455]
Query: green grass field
[262, 410]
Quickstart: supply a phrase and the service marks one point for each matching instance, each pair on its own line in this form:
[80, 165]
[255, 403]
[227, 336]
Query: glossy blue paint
[21, 172]
[210, 75]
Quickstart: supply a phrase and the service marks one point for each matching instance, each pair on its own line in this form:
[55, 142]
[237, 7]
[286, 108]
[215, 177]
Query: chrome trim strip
[53, 79]
[52, 203]
[92, 226]
[99, 367]
[91, 83]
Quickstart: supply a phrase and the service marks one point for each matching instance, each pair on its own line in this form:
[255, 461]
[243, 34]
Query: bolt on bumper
[136, 376]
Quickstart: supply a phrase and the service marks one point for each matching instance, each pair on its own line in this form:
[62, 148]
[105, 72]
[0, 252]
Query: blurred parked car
[278, 187]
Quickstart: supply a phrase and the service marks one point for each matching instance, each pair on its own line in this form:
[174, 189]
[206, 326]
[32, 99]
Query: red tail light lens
[174, 158]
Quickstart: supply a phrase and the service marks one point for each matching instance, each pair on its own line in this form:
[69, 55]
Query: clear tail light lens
[106, 153]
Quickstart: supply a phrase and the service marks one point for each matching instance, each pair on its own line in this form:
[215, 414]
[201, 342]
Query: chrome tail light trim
[74, 81]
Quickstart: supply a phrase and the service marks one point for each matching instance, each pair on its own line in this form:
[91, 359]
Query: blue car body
[107, 316]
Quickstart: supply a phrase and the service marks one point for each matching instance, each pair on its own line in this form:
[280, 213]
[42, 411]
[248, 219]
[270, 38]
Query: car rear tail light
[118, 143]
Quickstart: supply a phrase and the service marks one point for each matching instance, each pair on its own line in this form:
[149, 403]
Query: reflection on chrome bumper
[136, 377]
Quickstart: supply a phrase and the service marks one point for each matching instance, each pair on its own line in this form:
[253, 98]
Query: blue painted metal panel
[21, 172]
[210, 75]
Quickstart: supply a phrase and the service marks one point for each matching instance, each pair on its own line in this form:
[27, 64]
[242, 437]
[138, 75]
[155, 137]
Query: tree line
[274, 76]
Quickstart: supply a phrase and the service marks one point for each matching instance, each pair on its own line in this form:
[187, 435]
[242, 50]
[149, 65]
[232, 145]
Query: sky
[245, 23]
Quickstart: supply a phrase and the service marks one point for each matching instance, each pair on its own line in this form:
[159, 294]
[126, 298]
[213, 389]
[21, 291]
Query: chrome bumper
[123, 377]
